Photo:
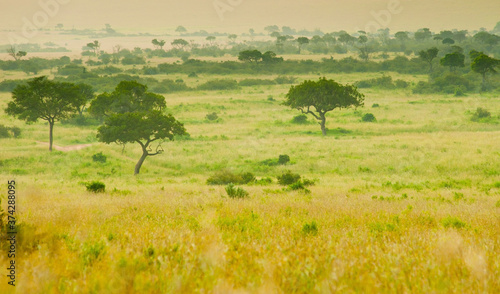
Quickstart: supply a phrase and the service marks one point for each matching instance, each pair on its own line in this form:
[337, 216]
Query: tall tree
[143, 128]
[453, 60]
[180, 43]
[318, 98]
[47, 100]
[180, 29]
[158, 43]
[95, 46]
[250, 56]
[302, 41]
[17, 55]
[483, 64]
[428, 56]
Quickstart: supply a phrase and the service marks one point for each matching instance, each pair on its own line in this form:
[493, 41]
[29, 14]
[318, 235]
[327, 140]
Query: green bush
[219, 84]
[283, 159]
[234, 192]
[192, 75]
[256, 82]
[247, 178]
[300, 119]
[8, 132]
[282, 80]
[288, 178]
[453, 222]
[310, 229]
[212, 116]
[368, 117]
[96, 187]
[225, 177]
[480, 114]
[99, 157]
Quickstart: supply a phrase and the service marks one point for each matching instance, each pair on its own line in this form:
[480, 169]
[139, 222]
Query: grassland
[407, 204]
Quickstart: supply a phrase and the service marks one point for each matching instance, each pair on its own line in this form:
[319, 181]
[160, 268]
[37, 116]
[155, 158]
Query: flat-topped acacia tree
[134, 115]
[44, 99]
[319, 97]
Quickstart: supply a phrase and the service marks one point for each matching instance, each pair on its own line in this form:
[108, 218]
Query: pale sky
[240, 15]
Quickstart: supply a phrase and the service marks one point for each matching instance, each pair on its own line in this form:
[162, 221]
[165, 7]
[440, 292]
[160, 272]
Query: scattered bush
[452, 222]
[375, 105]
[99, 157]
[300, 119]
[192, 75]
[288, 178]
[283, 159]
[368, 117]
[96, 187]
[234, 192]
[212, 116]
[310, 229]
[264, 181]
[383, 82]
[225, 177]
[9, 132]
[480, 114]
[219, 84]
[284, 80]
[256, 82]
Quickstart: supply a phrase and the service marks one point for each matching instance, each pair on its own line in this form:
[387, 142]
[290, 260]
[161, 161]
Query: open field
[407, 204]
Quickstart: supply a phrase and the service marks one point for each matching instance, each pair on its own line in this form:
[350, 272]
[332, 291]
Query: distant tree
[318, 98]
[232, 37]
[428, 56]
[302, 41]
[250, 56]
[17, 55]
[59, 26]
[402, 37]
[270, 57]
[346, 38]
[211, 40]
[487, 38]
[158, 43]
[109, 30]
[329, 39]
[448, 41]
[30, 67]
[460, 36]
[453, 60]
[95, 46]
[180, 43]
[180, 29]
[496, 29]
[88, 94]
[43, 99]
[423, 34]
[252, 33]
[271, 29]
[483, 64]
[364, 49]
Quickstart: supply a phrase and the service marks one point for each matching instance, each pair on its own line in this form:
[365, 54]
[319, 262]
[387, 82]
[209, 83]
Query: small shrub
[96, 187]
[6, 132]
[288, 178]
[310, 229]
[368, 117]
[212, 116]
[375, 105]
[281, 80]
[224, 177]
[264, 181]
[247, 178]
[480, 113]
[283, 159]
[99, 157]
[192, 75]
[219, 85]
[453, 222]
[234, 192]
[300, 119]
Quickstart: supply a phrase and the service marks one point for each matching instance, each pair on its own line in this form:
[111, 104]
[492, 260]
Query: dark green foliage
[300, 119]
[283, 159]
[192, 75]
[96, 187]
[212, 116]
[224, 177]
[480, 114]
[384, 82]
[99, 157]
[108, 70]
[8, 132]
[219, 84]
[453, 222]
[283, 80]
[71, 69]
[234, 192]
[368, 117]
[448, 84]
[375, 105]
[310, 229]
[9, 85]
[131, 60]
[247, 178]
[288, 178]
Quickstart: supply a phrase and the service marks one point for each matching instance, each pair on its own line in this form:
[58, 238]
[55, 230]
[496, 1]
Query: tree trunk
[323, 124]
[51, 128]
[141, 161]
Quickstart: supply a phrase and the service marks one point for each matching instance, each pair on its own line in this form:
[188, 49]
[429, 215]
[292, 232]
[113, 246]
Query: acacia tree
[17, 55]
[134, 115]
[453, 60]
[95, 46]
[180, 43]
[318, 98]
[43, 99]
[250, 56]
[483, 64]
[302, 41]
[143, 128]
[428, 56]
[158, 43]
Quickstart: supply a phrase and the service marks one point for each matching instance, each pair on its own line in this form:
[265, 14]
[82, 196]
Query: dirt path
[67, 148]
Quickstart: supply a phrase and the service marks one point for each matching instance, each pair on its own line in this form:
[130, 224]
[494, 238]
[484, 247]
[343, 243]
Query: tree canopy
[44, 99]
[319, 97]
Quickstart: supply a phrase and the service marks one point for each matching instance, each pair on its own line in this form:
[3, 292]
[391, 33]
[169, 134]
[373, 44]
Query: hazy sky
[240, 15]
